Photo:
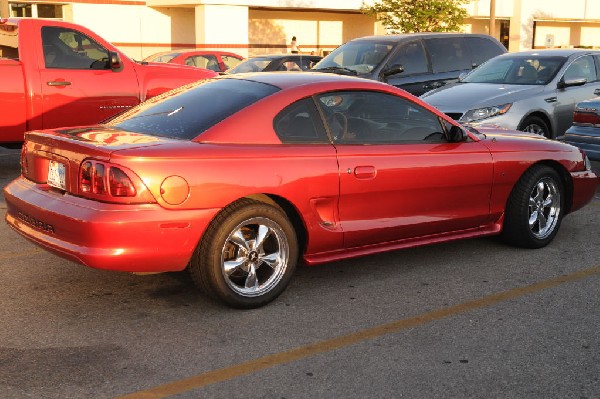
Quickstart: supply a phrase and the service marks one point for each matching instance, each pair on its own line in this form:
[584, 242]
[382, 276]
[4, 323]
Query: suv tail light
[104, 181]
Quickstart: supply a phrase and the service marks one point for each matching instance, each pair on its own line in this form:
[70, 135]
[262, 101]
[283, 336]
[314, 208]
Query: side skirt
[324, 257]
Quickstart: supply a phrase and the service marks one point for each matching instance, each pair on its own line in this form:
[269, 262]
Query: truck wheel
[247, 255]
[534, 209]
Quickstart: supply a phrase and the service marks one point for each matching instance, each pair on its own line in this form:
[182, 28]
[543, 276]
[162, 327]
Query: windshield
[360, 57]
[257, 64]
[517, 70]
[186, 112]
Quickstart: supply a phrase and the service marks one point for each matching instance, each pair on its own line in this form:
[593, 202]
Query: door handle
[597, 92]
[365, 172]
[58, 83]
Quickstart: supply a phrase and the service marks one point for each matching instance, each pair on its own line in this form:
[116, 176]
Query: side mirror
[115, 61]
[394, 69]
[456, 134]
[571, 82]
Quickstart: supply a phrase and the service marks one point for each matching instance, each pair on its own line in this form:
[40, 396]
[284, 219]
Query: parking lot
[473, 318]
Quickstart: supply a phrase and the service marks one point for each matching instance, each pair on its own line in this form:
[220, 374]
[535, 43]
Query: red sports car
[239, 177]
[218, 61]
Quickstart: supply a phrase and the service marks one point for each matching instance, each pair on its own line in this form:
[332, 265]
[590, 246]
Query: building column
[222, 27]
[516, 31]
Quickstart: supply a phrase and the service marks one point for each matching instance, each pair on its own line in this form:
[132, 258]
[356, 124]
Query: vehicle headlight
[478, 114]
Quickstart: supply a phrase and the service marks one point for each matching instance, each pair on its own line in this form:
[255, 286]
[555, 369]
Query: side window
[448, 54]
[9, 41]
[360, 117]
[203, 61]
[300, 122]
[291, 65]
[481, 50]
[69, 49]
[230, 61]
[412, 58]
[307, 63]
[582, 67]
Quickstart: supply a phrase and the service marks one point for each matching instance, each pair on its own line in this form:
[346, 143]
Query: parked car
[239, 177]
[585, 131]
[56, 73]
[218, 61]
[533, 91]
[276, 62]
[415, 62]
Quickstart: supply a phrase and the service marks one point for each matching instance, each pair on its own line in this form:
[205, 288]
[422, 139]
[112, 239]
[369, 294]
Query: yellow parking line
[20, 254]
[253, 366]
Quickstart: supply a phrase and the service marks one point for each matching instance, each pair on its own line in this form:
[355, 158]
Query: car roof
[191, 50]
[403, 36]
[555, 52]
[287, 79]
[284, 55]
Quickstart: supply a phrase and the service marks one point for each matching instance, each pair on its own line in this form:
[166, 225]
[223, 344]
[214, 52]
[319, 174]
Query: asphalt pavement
[468, 319]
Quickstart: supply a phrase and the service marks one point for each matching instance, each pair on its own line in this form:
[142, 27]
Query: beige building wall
[542, 23]
[250, 27]
[270, 31]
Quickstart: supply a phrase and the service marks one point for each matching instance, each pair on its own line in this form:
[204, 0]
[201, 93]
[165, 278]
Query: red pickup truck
[55, 74]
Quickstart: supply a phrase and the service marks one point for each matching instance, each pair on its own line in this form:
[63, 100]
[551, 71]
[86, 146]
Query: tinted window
[448, 54]
[412, 58]
[188, 111]
[230, 61]
[256, 64]
[361, 56]
[69, 49]
[482, 49]
[300, 123]
[9, 41]
[203, 61]
[164, 57]
[378, 118]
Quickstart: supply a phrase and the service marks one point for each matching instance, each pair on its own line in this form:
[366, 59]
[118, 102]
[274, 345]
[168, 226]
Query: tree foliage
[403, 16]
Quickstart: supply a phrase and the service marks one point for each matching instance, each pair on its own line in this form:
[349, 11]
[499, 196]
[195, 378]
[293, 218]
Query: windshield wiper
[338, 69]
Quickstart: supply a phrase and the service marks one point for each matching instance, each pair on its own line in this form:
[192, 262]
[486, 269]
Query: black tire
[536, 125]
[229, 243]
[534, 209]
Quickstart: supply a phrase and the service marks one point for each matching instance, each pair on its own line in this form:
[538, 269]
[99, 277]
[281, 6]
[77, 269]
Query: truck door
[79, 87]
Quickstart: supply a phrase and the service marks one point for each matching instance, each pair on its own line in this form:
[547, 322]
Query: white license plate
[56, 175]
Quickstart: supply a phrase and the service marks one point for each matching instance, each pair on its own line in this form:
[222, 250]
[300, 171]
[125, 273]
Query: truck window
[9, 41]
[70, 49]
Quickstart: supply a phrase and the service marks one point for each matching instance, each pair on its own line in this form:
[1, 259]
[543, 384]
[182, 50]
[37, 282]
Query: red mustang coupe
[238, 178]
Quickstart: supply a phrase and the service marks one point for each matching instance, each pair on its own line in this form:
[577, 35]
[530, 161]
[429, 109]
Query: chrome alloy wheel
[535, 129]
[544, 208]
[255, 257]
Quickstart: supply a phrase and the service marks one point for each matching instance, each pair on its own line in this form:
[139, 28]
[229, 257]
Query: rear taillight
[104, 180]
[586, 117]
[120, 184]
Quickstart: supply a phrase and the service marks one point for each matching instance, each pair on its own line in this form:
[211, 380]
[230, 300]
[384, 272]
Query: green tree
[403, 16]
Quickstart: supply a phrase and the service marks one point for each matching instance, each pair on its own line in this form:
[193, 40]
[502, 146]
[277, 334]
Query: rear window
[9, 41]
[187, 112]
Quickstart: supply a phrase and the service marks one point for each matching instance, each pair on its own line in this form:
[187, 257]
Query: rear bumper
[132, 238]
[585, 185]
